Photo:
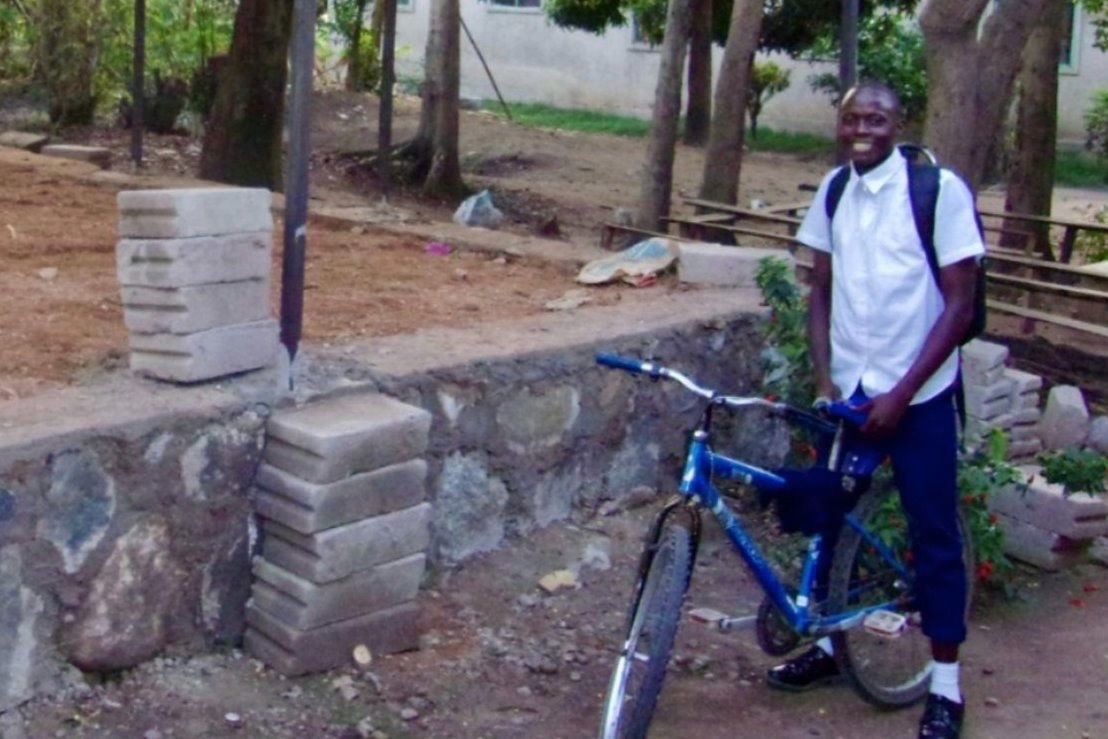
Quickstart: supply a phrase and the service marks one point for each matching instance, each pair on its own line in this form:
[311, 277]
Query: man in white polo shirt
[884, 334]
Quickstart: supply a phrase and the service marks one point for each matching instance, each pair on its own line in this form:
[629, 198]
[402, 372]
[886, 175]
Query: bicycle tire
[888, 673]
[637, 678]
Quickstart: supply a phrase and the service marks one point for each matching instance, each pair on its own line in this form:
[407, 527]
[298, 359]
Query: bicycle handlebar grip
[848, 413]
[618, 362]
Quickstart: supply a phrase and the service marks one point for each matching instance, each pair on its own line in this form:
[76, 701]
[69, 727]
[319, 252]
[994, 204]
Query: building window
[1071, 41]
[534, 4]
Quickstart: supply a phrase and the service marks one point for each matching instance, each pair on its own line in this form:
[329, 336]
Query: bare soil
[500, 658]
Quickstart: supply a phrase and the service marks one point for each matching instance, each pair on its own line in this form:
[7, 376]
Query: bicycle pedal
[709, 616]
[886, 624]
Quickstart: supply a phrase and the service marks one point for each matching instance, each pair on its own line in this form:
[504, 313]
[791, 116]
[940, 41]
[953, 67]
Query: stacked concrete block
[1000, 397]
[194, 267]
[1045, 527]
[345, 528]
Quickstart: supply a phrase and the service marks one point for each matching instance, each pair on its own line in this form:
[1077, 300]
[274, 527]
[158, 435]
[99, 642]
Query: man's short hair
[877, 86]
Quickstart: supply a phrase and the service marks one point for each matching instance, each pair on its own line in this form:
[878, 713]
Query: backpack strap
[923, 192]
[835, 191]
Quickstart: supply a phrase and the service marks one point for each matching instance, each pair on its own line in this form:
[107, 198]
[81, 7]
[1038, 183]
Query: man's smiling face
[869, 121]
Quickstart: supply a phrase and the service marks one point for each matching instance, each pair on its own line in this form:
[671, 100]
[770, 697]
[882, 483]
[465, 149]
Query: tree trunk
[1031, 179]
[698, 111]
[971, 66]
[68, 51]
[242, 142]
[723, 159]
[439, 117]
[657, 178]
[354, 65]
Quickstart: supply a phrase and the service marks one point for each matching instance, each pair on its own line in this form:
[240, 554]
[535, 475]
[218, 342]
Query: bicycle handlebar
[838, 409]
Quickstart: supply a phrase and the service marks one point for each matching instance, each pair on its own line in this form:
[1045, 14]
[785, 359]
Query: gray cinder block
[205, 355]
[1046, 506]
[293, 651]
[187, 310]
[341, 436]
[332, 554]
[307, 507]
[302, 604]
[97, 155]
[713, 264]
[1044, 549]
[172, 214]
[194, 261]
[982, 362]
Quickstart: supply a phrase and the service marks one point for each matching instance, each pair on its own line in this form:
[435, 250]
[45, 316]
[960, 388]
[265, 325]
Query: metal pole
[296, 179]
[480, 56]
[848, 46]
[384, 119]
[138, 91]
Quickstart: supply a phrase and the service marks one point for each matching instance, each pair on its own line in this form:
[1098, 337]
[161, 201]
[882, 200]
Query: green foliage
[1096, 125]
[1079, 169]
[789, 142]
[1077, 471]
[788, 373]
[540, 115]
[890, 49]
[766, 80]
[1091, 245]
[980, 475]
[363, 64]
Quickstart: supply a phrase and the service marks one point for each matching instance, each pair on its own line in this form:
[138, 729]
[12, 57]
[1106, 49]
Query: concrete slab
[330, 555]
[713, 264]
[97, 155]
[293, 651]
[172, 214]
[307, 507]
[1043, 549]
[32, 142]
[187, 310]
[194, 261]
[205, 355]
[341, 436]
[305, 605]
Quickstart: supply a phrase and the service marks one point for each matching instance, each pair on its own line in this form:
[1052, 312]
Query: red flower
[1089, 587]
[985, 570]
[1077, 603]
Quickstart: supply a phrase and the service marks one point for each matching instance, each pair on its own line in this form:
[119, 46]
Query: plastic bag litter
[478, 210]
[643, 260]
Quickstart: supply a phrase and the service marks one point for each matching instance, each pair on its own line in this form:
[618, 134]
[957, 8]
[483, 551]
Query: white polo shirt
[884, 300]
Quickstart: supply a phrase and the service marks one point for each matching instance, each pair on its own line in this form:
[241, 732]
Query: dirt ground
[499, 659]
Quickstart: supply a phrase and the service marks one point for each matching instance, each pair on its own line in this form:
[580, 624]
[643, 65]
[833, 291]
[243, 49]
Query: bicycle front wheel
[637, 678]
[889, 672]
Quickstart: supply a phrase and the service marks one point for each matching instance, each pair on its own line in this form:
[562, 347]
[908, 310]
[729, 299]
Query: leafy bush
[767, 79]
[1096, 125]
[788, 371]
[1093, 245]
[1077, 471]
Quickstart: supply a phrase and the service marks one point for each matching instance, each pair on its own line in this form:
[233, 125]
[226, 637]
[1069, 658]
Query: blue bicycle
[868, 608]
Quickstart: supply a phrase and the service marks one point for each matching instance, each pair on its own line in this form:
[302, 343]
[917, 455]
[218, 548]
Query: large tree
[1031, 175]
[698, 108]
[242, 141]
[436, 142]
[723, 158]
[657, 179]
[972, 61]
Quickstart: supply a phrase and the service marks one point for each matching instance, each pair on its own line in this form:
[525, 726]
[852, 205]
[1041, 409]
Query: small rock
[409, 714]
[527, 600]
[524, 691]
[555, 581]
[363, 658]
[575, 676]
[570, 299]
[233, 720]
[48, 273]
[992, 702]
[365, 728]
[345, 686]
[152, 734]
[500, 260]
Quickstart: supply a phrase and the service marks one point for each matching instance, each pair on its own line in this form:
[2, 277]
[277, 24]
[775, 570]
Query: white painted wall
[535, 61]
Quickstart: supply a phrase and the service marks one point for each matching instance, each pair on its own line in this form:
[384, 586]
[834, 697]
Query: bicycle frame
[702, 466]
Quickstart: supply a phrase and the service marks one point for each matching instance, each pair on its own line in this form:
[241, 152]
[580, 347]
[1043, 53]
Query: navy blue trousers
[924, 455]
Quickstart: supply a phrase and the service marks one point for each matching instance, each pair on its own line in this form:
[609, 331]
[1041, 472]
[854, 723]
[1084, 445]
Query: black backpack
[923, 191]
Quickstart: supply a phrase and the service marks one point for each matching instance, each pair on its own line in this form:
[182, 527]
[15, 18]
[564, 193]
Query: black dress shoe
[810, 670]
[942, 718]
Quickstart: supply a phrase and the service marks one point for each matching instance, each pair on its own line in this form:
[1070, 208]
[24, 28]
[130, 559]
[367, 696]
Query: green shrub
[1096, 125]
[1076, 471]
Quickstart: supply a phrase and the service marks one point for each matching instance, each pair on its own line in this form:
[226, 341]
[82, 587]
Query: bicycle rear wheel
[889, 672]
[637, 678]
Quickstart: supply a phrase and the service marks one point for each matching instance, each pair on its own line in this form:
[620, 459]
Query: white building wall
[535, 61]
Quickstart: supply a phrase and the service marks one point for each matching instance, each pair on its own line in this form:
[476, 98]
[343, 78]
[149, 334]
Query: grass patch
[1079, 169]
[539, 115]
[789, 143]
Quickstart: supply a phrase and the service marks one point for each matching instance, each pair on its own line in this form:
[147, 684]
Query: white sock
[825, 644]
[944, 680]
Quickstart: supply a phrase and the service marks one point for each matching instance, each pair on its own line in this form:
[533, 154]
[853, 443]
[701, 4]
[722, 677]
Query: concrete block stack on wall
[345, 529]
[194, 268]
[1001, 397]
